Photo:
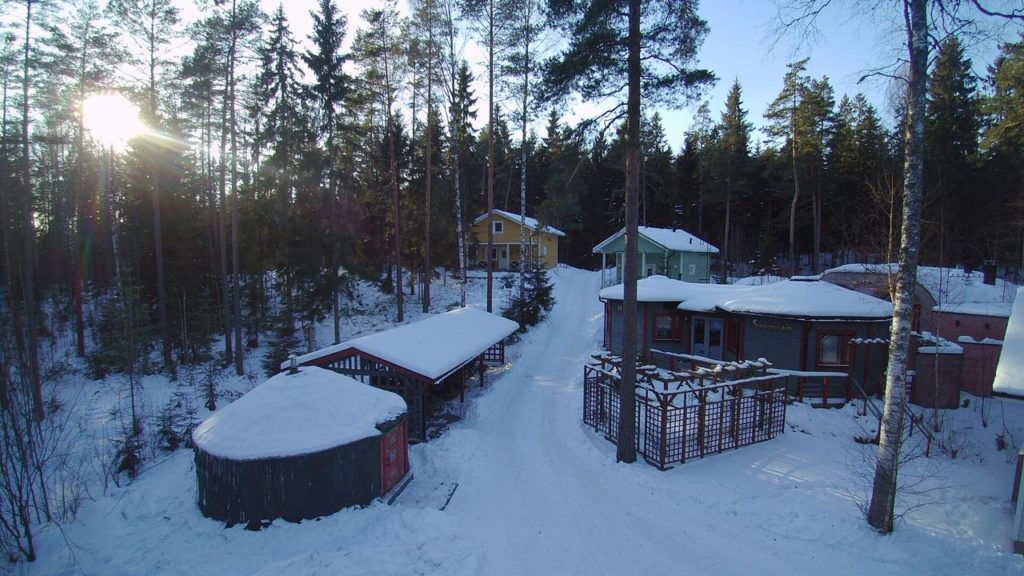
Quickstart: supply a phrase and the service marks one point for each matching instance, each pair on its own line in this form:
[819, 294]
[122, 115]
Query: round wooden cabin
[299, 446]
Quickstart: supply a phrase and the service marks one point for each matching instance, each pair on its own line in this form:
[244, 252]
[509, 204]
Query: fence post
[824, 392]
[800, 388]
[664, 432]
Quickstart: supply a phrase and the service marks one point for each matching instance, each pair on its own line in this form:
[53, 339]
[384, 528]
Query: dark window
[832, 350]
[499, 227]
[666, 327]
[698, 330]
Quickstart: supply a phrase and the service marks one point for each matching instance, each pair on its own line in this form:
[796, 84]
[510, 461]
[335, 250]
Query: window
[499, 227]
[832, 350]
[543, 251]
[665, 327]
[693, 269]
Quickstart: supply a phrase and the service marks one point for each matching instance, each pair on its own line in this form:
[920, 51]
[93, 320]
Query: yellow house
[543, 243]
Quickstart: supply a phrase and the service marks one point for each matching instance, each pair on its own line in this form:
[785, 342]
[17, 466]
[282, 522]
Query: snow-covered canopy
[292, 414]
[432, 347]
[531, 223]
[793, 298]
[953, 290]
[1010, 370]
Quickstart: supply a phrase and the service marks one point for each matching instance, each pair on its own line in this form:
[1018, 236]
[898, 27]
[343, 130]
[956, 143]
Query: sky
[742, 44]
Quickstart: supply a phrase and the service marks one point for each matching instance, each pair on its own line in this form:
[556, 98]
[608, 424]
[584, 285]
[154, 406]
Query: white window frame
[693, 269]
[499, 227]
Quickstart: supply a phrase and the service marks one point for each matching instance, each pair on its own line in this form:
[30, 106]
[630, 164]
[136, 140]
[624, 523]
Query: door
[706, 337]
[394, 456]
[499, 256]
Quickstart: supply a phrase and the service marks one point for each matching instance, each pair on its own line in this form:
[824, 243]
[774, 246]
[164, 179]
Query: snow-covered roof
[531, 223]
[812, 299]
[674, 240]
[953, 290]
[655, 288]
[431, 347]
[292, 414]
[800, 299]
[1010, 370]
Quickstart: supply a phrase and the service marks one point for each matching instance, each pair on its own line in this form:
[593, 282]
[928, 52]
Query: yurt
[298, 446]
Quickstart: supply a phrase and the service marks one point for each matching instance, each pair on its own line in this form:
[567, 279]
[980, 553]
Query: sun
[112, 119]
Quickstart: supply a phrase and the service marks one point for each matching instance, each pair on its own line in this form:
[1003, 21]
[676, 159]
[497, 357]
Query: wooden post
[480, 361]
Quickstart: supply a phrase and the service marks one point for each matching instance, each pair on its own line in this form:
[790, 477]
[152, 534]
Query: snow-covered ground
[539, 493]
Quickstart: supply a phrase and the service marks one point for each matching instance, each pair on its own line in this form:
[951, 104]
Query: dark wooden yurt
[299, 446]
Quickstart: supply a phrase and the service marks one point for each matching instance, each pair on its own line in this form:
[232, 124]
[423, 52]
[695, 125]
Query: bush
[536, 301]
[175, 423]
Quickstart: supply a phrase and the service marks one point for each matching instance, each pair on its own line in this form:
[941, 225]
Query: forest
[269, 172]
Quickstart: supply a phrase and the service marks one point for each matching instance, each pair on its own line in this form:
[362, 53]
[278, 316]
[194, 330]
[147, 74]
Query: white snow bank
[291, 414]
[953, 290]
[432, 347]
[1010, 370]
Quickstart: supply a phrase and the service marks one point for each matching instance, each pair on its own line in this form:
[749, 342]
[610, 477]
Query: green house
[674, 253]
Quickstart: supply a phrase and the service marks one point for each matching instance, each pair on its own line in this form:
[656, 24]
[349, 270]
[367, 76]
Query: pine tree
[600, 35]
[782, 123]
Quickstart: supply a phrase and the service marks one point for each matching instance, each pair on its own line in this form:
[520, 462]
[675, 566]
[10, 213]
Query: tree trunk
[78, 252]
[883, 495]
[728, 218]
[461, 237]
[490, 156]
[796, 188]
[817, 207]
[29, 245]
[427, 268]
[522, 184]
[235, 252]
[222, 216]
[626, 451]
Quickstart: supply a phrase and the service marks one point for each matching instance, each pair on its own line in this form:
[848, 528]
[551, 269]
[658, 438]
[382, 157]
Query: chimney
[293, 364]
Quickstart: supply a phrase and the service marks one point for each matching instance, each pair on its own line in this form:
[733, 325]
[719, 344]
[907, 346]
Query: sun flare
[112, 119]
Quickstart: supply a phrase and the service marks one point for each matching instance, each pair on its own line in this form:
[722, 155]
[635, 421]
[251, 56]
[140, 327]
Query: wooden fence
[679, 418]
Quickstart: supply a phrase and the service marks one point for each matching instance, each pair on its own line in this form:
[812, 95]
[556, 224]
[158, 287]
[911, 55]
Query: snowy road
[538, 492]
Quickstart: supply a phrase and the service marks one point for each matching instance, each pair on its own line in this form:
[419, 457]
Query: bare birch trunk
[490, 156]
[883, 496]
